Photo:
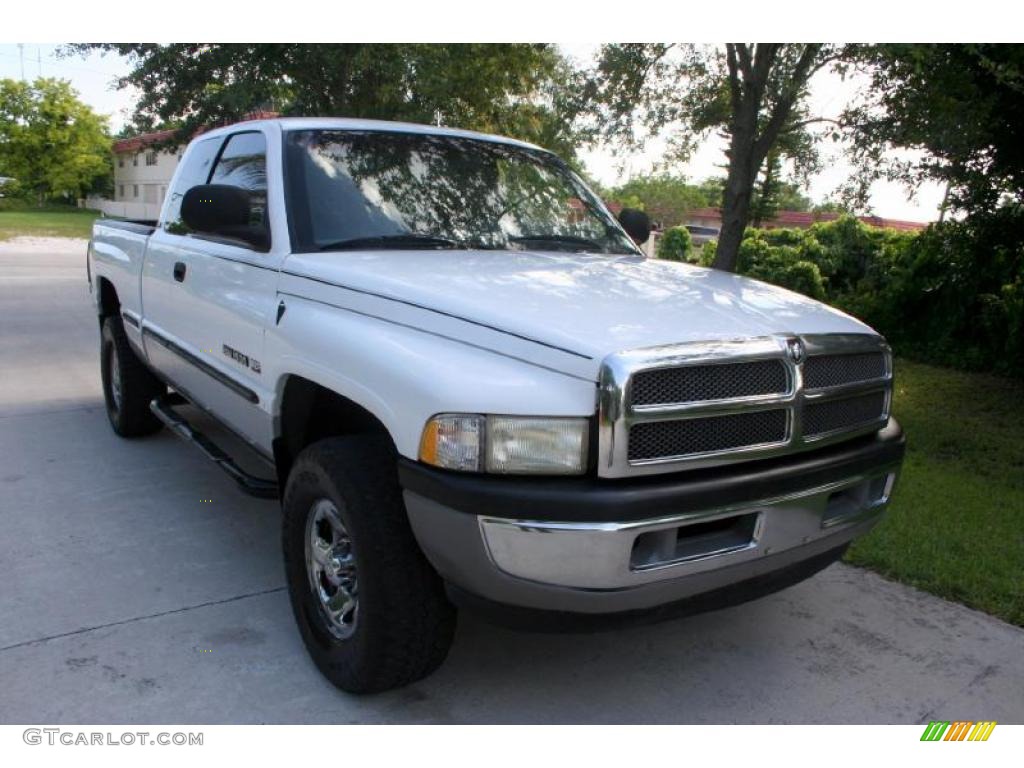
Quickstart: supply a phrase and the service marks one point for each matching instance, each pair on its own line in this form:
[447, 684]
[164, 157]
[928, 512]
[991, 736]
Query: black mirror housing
[221, 209]
[636, 223]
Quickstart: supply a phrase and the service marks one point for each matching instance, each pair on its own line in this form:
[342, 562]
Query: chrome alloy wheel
[115, 379]
[331, 565]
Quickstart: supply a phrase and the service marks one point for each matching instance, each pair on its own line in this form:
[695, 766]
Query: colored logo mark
[959, 730]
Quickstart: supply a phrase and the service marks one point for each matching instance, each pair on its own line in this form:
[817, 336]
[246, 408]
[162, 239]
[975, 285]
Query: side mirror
[221, 209]
[636, 223]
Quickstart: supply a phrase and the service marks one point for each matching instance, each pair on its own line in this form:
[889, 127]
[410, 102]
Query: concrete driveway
[126, 598]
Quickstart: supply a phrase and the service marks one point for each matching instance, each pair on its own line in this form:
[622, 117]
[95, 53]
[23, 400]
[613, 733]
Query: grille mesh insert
[699, 383]
[683, 437]
[831, 370]
[847, 413]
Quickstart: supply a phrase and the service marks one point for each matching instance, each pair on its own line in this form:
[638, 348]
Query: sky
[93, 78]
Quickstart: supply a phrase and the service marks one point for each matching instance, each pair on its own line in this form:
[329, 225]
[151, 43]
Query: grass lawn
[49, 222]
[956, 524]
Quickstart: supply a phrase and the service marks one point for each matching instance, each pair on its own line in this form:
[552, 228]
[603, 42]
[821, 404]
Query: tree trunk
[945, 203]
[751, 138]
[739, 186]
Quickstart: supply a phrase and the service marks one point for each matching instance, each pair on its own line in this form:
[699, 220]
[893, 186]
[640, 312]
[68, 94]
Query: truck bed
[138, 226]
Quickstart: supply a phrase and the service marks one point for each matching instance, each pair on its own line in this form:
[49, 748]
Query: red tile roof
[135, 143]
[143, 140]
[802, 219]
[903, 226]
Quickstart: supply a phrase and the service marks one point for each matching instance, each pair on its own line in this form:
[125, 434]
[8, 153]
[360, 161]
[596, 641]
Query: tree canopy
[51, 143]
[665, 197]
[515, 89]
[773, 193]
[753, 93]
[961, 106]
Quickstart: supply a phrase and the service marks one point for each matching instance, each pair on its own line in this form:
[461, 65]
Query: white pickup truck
[472, 388]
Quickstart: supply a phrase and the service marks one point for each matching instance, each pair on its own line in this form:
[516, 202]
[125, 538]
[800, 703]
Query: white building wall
[139, 187]
[123, 209]
[137, 181]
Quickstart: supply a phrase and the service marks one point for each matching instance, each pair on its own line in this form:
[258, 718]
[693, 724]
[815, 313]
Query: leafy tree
[712, 189]
[50, 142]
[754, 93]
[765, 204]
[666, 198]
[774, 194]
[791, 198]
[675, 244]
[831, 206]
[955, 294]
[517, 89]
[962, 105]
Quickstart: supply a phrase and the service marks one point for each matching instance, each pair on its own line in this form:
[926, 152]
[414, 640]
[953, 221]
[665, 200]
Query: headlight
[453, 442]
[523, 445]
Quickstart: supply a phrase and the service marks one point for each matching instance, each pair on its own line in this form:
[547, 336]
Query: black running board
[163, 409]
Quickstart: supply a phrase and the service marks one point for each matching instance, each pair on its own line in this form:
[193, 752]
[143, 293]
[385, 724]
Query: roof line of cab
[359, 124]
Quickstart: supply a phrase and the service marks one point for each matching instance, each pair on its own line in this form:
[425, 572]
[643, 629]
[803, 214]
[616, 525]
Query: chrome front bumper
[607, 567]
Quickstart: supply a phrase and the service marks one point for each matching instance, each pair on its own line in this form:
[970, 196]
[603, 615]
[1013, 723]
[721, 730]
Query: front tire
[128, 385]
[372, 612]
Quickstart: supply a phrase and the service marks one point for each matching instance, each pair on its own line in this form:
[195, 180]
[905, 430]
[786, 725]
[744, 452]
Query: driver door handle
[179, 271]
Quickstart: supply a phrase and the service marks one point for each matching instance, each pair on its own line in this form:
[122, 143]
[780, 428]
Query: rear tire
[372, 612]
[128, 385]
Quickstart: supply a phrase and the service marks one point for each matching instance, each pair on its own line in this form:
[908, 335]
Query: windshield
[373, 189]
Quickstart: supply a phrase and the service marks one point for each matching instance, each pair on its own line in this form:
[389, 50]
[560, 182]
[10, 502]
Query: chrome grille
[700, 383]
[850, 412]
[686, 437]
[705, 404]
[834, 370]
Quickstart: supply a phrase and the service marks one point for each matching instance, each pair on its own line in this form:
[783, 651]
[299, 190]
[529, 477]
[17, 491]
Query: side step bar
[163, 409]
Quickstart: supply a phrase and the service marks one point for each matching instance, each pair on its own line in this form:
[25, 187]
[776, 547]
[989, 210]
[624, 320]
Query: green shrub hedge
[952, 294]
[675, 244]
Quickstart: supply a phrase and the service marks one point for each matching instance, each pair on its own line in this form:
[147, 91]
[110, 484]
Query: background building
[142, 173]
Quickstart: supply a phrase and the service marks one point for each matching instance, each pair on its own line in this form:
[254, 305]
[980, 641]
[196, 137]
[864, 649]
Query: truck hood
[592, 305]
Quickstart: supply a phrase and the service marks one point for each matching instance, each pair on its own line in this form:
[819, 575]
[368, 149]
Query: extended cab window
[195, 170]
[243, 163]
[376, 189]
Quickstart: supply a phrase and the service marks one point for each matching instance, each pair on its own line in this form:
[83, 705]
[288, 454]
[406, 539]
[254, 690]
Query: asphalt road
[124, 597]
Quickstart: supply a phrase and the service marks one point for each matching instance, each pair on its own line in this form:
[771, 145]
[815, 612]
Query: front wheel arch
[107, 302]
[310, 412]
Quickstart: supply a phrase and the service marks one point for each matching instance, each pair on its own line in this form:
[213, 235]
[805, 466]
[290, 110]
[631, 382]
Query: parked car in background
[700, 235]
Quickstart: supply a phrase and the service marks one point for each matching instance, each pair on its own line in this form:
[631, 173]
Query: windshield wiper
[581, 242]
[406, 240]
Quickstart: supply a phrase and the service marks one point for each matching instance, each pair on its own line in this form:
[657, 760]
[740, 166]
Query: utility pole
[39, 60]
[21, 55]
